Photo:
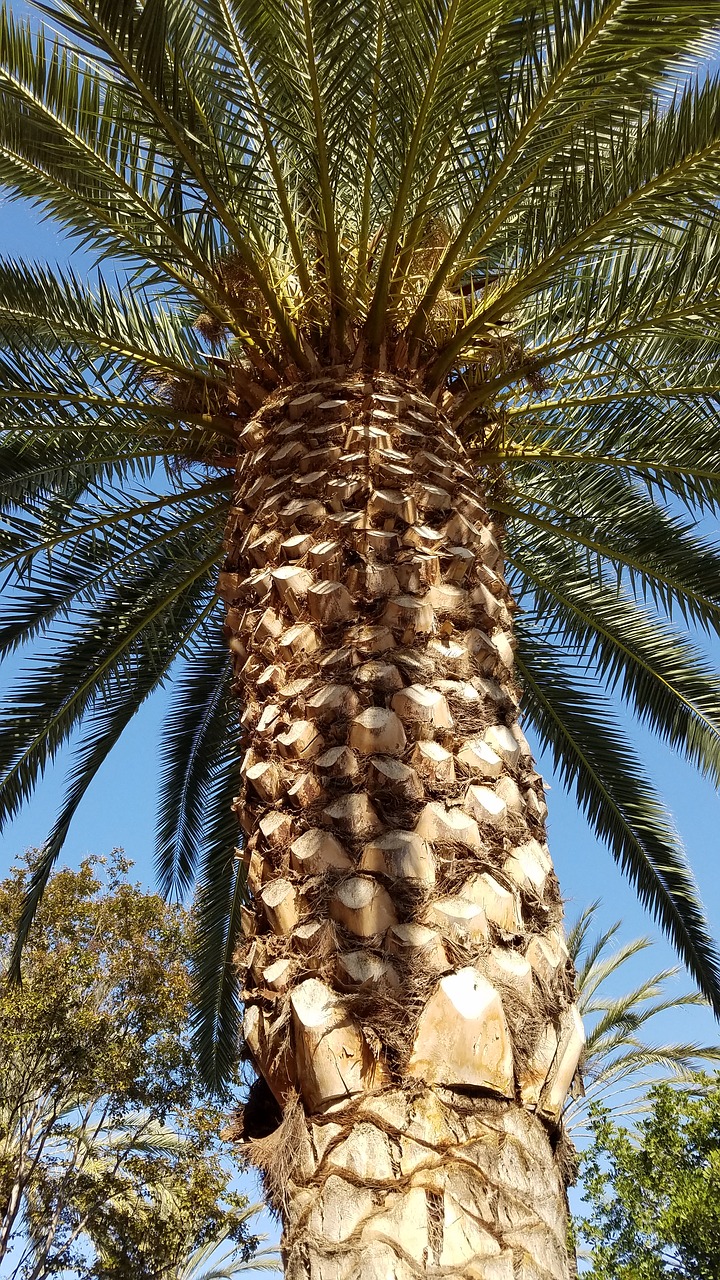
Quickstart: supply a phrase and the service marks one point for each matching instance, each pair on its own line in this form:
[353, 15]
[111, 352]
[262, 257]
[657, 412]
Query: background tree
[110, 1164]
[653, 1194]
[415, 362]
[621, 1059]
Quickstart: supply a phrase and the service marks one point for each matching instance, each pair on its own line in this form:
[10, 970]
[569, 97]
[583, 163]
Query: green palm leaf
[619, 1058]
[197, 746]
[669, 684]
[218, 919]
[84, 690]
[591, 755]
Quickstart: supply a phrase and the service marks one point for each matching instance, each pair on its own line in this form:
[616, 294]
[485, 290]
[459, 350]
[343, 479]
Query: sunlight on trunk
[408, 990]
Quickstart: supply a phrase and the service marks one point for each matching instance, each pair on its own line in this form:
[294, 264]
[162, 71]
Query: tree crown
[110, 1161]
[653, 1194]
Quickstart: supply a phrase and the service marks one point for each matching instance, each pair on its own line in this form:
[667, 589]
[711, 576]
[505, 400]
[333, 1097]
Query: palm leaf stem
[166, 122]
[644, 466]
[679, 391]
[47, 477]
[361, 273]
[338, 301]
[275, 167]
[112, 518]
[652, 322]
[675, 1056]
[644, 371]
[596, 974]
[514, 151]
[533, 359]
[41, 396]
[377, 316]
[627, 1011]
[102, 342]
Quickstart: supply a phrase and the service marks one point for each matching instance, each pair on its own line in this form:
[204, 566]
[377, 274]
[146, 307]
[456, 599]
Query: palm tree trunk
[408, 991]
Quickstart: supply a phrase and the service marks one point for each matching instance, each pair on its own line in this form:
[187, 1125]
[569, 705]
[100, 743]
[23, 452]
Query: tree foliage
[653, 1195]
[514, 203]
[110, 1163]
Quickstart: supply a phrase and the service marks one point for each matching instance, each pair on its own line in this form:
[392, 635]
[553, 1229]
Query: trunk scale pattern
[408, 993]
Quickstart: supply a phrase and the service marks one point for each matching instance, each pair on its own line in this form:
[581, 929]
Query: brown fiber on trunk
[408, 990]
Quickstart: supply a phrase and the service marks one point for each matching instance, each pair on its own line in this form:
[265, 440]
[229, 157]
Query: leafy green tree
[414, 361]
[621, 1059]
[167, 1233]
[654, 1194]
[109, 1159]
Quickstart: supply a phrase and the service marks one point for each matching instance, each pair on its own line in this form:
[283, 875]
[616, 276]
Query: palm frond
[592, 755]
[658, 171]
[668, 682]
[218, 924]
[619, 1059]
[201, 723]
[220, 1259]
[96, 684]
[55, 310]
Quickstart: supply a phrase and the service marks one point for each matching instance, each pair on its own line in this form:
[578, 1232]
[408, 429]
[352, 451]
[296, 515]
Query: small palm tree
[619, 1063]
[219, 1258]
[414, 359]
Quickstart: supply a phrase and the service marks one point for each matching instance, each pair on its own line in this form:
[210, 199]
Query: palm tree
[620, 1062]
[220, 1258]
[413, 358]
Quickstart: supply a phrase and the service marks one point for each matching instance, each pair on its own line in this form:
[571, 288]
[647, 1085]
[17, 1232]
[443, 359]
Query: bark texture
[408, 990]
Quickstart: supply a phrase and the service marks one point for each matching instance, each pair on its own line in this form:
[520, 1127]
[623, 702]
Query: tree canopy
[110, 1163]
[653, 1196]
[512, 202]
